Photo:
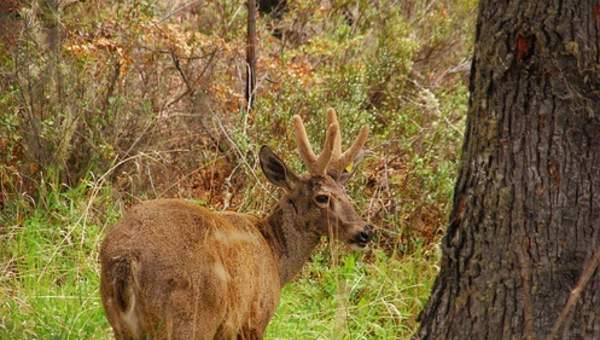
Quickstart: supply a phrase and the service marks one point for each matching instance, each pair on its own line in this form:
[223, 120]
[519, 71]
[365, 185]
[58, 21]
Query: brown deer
[174, 270]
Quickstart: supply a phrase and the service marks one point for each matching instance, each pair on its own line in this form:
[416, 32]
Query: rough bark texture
[525, 226]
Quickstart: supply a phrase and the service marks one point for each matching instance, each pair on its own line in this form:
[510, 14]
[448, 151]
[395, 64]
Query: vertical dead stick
[585, 277]
[251, 55]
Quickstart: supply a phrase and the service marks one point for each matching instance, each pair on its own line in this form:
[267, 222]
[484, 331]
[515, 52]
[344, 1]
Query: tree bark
[251, 54]
[520, 257]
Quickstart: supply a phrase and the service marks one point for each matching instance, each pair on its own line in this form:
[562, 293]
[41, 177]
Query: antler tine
[304, 148]
[349, 155]
[331, 157]
[337, 145]
[320, 166]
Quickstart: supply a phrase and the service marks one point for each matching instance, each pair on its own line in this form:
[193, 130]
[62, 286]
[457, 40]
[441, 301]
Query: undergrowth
[50, 281]
[104, 104]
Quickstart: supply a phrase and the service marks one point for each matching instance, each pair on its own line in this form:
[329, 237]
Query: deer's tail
[124, 287]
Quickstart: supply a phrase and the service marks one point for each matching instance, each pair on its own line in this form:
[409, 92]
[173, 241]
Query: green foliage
[141, 101]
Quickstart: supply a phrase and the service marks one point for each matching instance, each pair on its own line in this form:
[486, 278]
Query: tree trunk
[520, 255]
[251, 54]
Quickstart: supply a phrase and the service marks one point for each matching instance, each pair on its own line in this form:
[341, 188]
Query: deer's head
[318, 199]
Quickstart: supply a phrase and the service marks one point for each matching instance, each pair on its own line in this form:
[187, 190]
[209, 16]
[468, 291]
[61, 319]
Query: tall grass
[357, 299]
[50, 277]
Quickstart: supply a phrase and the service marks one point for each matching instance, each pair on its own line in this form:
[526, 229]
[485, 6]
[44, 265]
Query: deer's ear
[275, 169]
[344, 177]
[347, 173]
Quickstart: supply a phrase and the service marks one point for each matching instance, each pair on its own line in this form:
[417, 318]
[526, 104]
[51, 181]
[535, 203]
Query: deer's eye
[322, 199]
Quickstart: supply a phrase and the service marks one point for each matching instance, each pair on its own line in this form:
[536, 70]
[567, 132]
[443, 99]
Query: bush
[108, 103]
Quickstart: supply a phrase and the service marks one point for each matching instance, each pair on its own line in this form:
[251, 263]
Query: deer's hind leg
[120, 329]
[250, 334]
[190, 314]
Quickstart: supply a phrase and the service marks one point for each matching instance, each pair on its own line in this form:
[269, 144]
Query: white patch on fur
[235, 236]
[130, 319]
[220, 272]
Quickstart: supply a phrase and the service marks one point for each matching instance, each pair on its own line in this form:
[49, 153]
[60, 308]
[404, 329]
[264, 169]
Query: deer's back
[175, 261]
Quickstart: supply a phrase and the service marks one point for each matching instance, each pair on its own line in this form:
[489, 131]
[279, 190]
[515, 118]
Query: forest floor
[141, 100]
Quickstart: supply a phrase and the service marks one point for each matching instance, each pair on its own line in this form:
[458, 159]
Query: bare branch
[178, 9]
[585, 277]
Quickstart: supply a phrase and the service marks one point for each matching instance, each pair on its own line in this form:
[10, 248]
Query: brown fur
[173, 270]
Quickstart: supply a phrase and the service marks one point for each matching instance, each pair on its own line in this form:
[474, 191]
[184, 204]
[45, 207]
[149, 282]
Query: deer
[174, 270]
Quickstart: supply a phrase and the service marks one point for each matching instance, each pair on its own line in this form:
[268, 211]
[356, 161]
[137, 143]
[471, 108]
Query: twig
[585, 277]
[243, 159]
[189, 87]
[228, 196]
[178, 98]
[111, 86]
[147, 128]
[208, 63]
[181, 73]
[235, 14]
[181, 178]
[190, 90]
[177, 10]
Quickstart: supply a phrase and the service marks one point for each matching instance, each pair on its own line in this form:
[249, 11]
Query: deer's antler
[331, 159]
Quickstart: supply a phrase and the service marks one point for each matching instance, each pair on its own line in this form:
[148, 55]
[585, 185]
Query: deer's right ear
[275, 169]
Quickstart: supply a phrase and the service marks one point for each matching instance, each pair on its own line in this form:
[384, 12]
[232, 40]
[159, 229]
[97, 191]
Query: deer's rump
[193, 272]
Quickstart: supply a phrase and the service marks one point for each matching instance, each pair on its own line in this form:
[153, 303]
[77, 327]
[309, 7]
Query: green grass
[357, 299]
[49, 285]
[50, 277]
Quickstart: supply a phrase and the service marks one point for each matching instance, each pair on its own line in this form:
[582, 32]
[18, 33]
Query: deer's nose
[365, 235]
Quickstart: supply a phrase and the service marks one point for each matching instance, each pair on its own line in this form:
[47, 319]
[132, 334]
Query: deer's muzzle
[363, 237]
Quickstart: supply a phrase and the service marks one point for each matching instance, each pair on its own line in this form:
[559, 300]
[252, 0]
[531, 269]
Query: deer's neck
[290, 239]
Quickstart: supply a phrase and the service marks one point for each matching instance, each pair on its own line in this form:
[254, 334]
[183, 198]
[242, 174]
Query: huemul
[174, 270]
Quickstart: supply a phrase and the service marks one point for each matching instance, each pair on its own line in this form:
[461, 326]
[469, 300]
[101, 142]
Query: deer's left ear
[343, 177]
[275, 169]
[347, 173]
